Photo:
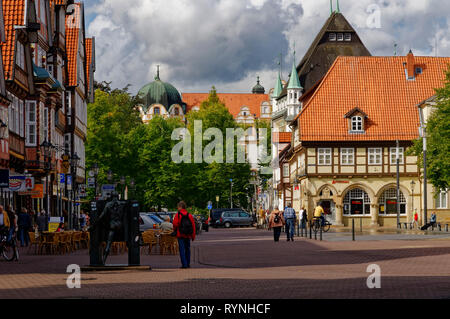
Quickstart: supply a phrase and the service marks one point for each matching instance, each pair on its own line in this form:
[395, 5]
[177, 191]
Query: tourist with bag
[276, 222]
[184, 226]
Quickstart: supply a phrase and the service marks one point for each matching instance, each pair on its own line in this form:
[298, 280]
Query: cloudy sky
[227, 43]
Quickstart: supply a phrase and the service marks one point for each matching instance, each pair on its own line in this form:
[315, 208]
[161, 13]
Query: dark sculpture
[117, 222]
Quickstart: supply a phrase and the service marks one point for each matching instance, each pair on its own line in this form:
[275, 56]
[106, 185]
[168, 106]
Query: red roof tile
[233, 101]
[377, 86]
[13, 11]
[282, 137]
[88, 58]
[72, 40]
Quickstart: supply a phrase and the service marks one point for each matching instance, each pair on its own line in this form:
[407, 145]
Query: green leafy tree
[438, 140]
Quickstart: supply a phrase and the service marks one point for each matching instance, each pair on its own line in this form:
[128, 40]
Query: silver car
[147, 222]
[235, 219]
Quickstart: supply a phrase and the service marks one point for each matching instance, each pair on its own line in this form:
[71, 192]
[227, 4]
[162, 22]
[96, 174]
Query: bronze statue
[112, 218]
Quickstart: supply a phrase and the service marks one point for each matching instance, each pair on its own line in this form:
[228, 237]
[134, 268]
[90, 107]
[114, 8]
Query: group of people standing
[277, 220]
[22, 223]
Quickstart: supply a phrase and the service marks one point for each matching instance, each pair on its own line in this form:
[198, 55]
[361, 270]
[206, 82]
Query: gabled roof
[353, 111]
[379, 88]
[73, 25]
[322, 53]
[233, 101]
[14, 11]
[90, 58]
[281, 137]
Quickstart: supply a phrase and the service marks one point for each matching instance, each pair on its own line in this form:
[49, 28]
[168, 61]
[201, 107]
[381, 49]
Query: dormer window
[340, 37]
[356, 118]
[157, 110]
[348, 37]
[332, 37]
[357, 124]
[177, 111]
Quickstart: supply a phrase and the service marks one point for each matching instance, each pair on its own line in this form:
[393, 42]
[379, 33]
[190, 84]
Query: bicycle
[9, 250]
[326, 226]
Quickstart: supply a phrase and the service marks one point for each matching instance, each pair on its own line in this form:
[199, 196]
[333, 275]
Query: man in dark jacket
[24, 223]
[42, 222]
[184, 226]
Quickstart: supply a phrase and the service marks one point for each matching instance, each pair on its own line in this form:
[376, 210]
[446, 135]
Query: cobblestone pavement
[246, 263]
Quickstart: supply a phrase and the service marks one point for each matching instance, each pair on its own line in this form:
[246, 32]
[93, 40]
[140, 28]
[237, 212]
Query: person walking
[184, 226]
[42, 222]
[276, 222]
[290, 219]
[416, 219]
[24, 224]
[303, 215]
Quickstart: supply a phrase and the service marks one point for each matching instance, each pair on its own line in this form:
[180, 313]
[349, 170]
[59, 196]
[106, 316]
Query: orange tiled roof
[378, 87]
[88, 58]
[282, 137]
[233, 101]
[13, 11]
[72, 40]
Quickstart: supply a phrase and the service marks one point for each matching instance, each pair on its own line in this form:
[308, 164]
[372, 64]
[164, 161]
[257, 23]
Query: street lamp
[122, 182]
[95, 170]
[46, 148]
[413, 184]
[231, 193]
[110, 176]
[132, 185]
[74, 160]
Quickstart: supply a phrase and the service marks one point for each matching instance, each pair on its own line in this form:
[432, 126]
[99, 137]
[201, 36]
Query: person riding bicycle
[4, 223]
[318, 214]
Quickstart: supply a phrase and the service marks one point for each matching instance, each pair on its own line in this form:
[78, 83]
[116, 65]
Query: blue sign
[62, 178]
[69, 179]
[209, 206]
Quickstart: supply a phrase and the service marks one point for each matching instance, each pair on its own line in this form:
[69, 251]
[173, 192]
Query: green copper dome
[159, 92]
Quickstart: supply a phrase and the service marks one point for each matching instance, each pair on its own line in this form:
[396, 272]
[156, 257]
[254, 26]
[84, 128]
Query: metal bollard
[298, 229]
[353, 229]
[310, 231]
[320, 233]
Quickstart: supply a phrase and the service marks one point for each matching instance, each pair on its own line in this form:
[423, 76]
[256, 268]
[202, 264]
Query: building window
[177, 111]
[340, 37]
[30, 109]
[441, 199]
[286, 170]
[157, 110]
[347, 156]
[375, 156]
[348, 37]
[45, 124]
[324, 156]
[357, 124]
[20, 55]
[332, 37]
[388, 202]
[357, 202]
[394, 155]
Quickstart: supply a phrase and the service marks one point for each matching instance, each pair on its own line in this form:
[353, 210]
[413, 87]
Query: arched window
[177, 111]
[156, 110]
[357, 124]
[356, 202]
[388, 202]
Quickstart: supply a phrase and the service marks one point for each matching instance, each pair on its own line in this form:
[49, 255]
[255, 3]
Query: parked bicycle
[326, 225]
[8, 249]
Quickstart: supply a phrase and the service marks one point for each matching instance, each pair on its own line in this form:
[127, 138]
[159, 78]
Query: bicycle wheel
[316, 226]
[326, 228]
[8, 252]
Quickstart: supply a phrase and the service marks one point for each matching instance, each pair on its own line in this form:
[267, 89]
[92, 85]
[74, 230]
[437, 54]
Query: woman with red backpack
[276, 221]
[184, 227]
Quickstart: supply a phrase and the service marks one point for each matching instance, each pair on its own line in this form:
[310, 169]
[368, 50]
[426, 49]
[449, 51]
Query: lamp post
[122, 182]
[95, 170]
[132, 186]
[398, 183]
[413, 184]
[231, 193]
[46, 148]
[74, 160]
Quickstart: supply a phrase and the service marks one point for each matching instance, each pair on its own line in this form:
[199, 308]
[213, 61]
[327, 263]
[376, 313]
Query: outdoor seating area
[49, 243]
[168, 245]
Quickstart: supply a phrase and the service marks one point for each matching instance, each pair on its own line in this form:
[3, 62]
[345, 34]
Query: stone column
[374, 208]
[339, 215]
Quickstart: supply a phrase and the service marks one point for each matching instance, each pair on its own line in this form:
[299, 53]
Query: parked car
[155, 216]
[216, 214]
[147, 222]
[239, 218]
[163, 215]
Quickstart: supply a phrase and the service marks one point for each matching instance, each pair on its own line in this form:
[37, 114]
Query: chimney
[410, 65]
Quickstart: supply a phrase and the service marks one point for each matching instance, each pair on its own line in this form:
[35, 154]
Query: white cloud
[228, 43]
